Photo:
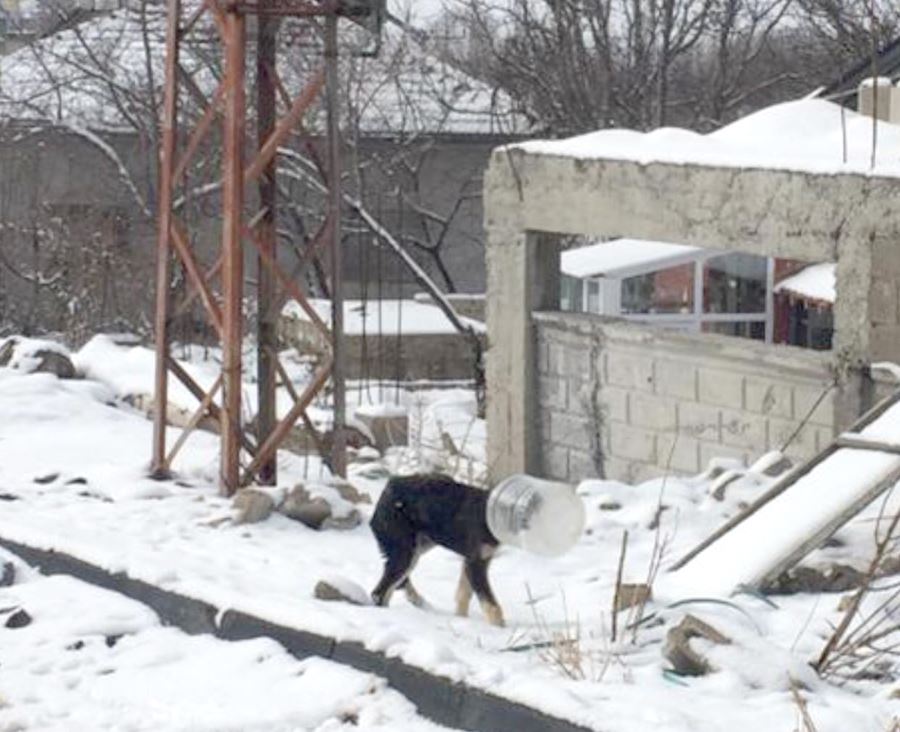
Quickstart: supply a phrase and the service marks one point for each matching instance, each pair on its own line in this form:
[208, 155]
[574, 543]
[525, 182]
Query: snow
[816, 282]
[803, 135]
[161, 532]
[624, 257]
[94, 660]
[386, 318]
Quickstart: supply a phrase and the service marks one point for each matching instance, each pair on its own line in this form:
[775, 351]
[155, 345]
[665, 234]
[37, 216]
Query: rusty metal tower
[220, 285]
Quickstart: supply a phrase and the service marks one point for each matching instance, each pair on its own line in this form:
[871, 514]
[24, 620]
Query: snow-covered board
[798, 513]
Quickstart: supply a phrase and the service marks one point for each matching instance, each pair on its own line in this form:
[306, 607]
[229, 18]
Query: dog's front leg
[477, 572]
[463, 593]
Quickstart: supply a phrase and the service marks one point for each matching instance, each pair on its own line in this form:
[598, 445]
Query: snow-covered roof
[625, 258]
[816, 282]
[807, 134]
[405, 89]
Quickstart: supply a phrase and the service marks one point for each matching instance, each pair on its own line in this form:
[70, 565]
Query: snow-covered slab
[804, 135]
[624, 257]
[796, 515]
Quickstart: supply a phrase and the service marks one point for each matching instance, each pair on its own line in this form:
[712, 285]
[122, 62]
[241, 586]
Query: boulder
[317, 512]
[36, 356]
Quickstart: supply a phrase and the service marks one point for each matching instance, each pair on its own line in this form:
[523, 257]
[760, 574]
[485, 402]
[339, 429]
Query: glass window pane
[734, 283]
[570, 295]
[666, 291]
[593, 298]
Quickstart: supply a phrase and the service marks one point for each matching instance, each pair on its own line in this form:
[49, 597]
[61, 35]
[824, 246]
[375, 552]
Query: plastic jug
[540, 516]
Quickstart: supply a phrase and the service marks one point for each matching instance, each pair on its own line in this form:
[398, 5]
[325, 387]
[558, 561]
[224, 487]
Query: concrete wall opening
[694, 289]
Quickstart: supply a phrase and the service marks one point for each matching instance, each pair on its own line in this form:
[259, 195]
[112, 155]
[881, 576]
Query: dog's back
[435, 507]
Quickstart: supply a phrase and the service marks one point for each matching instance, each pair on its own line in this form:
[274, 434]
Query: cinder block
[710, 450]
[582, 465]
[886, 256]
[630, 471]
[883, 301]
[804, 443]
[745, 430]
[654, 412]
[805, 398]
[722, 388]
[571, 430]
[678, 453]
[555, 358]
[632, 443]
[676, 379]
[768, 397]
[700, 421]
[553, 391]
[628, 371]
[884, 342]
[576, 360]
[614, 402]
[555, 462]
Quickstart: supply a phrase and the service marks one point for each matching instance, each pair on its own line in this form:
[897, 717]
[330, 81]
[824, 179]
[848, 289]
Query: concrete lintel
[772, 212]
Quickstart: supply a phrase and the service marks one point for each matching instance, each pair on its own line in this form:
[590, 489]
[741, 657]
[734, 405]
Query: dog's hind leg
[412, 594]
[477, 573]
[463, 593]
[397, 565]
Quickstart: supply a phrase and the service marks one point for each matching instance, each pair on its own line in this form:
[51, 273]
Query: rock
[6, 351]
[338, 590]
[390, 429]
[348, 491]
[610, 506]
[252, 506]
[301, 506]
[677, 650]
[19, 619]
[54, 362]
[834, 578]
[343, 523]
[7, 574]
[631, 595]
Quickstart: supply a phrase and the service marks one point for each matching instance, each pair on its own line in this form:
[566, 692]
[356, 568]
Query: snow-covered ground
[94, 660]
[73, 460]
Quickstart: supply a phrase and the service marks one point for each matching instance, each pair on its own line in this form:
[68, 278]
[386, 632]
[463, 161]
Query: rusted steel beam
[199, 414]
[192, 294]
[199, 133]
[307, 422]
[270, 446]
[285, 125]
[163, 250]
[232, 254]
[199, 394]
[287, 283]
[195, 276]
[339, 395]
[265, 228]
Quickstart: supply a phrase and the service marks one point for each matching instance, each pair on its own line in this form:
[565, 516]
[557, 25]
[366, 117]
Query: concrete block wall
[631, 403]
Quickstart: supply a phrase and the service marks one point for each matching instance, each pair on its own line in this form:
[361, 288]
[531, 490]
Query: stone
[7, 574]
[348, 521]
[19, 619]
[329, 592]
[308, 510]
[252, 506]
[677, 650]
[54, 362]
[348, 491]
[632, 595]
[834, 578]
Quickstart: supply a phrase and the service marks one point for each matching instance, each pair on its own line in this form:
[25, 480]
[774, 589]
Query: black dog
[418, 512]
